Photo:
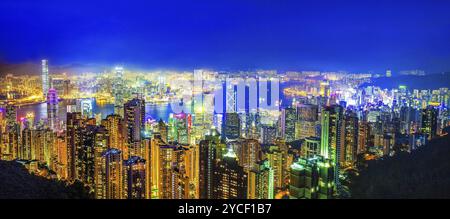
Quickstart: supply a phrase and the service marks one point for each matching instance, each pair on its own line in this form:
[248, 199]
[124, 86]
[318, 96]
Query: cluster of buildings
[298, 150]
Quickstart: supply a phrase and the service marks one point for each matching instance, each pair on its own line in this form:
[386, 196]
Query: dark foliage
[424, 173]
[17, 183]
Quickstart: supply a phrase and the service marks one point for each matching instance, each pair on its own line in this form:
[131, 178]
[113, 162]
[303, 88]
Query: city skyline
[224, 100]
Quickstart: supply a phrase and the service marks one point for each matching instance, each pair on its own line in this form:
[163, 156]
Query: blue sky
[356, 36]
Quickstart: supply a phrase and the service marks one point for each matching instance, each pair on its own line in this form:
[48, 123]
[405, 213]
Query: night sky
[357, 36]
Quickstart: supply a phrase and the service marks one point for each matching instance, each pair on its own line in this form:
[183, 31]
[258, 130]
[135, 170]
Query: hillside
[17, 183]
[422, 174]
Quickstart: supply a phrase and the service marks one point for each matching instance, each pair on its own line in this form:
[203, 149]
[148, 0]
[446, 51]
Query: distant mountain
[34, 68]
[17, 183]
[424, 173]
[431, 81]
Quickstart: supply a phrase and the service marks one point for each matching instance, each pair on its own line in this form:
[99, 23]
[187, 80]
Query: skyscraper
[45, 78]
[351, 138]
[134, 120]
[73, 138]
[307, 116]
[118, 90]
[332, 136]
[429, 122]
[288, 120]
[232, 127]
[111, 175]
[312, 178]
[135, 178]
[207, 159]
[230, 179]
[52, 109]
[260, 181]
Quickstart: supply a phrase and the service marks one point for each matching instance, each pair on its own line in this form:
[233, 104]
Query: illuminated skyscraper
[207, 159]
[351, 138]
[307, 116]
[268, 134]
[93, 141]
[134, 120]
[12, 134]
[114, 125]
[110, 176]
[312, 178]
[310, 147]
[249, 153]
[260, 181]
[118, 91]
[52, 109]
[429, 122]
[230, 179]
[45, 78]
[135, 178]
[288, 119]
[162, 128]
[332, 136]
[73, 138]
[232, 126]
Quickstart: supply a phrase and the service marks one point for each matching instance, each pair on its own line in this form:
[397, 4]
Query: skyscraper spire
[45, 79]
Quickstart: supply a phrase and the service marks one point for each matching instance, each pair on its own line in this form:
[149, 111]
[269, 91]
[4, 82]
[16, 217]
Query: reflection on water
[156, 112]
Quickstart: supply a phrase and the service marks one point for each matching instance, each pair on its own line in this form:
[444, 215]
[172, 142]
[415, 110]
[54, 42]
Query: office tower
[332, 136]
[363, 136]
[232, 126]
[207, 161]
[230, 179]
[252, 126]
[268, 134]
[12, 134]
[74, 122]
[93, 141]
[312, 178]
[288, 119]
[166, 162]
[118, 90]
[429, 122]
[278, 160]
[188, 168]
[134, 177]
[25, 150]
[310, 147]
[260, 181]
[307, 115]
[52, 109]
[184, 172]
[134, 121]
[61, 166]
[249, 153]
[109, 178]
[45, 78]
[114, 124]
[156, 144]
[351, 138]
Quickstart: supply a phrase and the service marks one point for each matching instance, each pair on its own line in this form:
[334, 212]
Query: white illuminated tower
[52, 109]
[118, 91]
[45, 79]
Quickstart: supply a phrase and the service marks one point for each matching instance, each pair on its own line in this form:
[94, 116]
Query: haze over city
[355, 36]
